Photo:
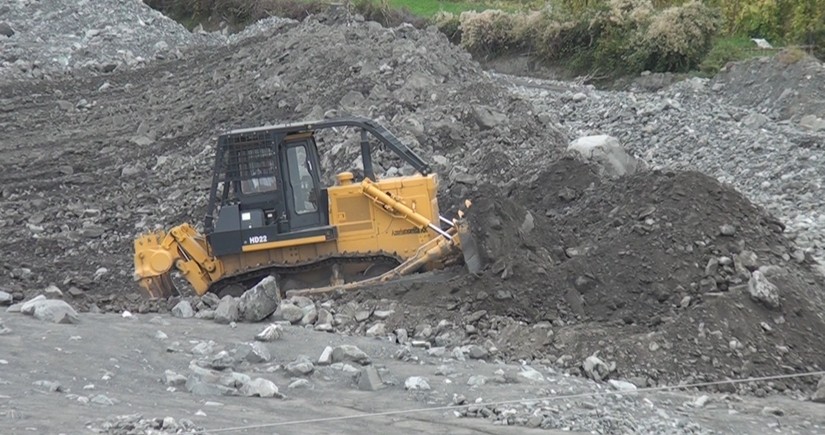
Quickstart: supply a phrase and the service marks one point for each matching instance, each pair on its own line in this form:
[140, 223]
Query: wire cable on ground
[514, 401]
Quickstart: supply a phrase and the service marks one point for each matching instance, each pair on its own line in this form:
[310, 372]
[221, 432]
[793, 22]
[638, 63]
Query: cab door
[302, 185]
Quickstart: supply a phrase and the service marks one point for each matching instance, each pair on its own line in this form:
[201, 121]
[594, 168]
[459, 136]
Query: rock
[254, 352]
[727, 230]
[607, 153]
[812, 123]
[6, 30]
[28, 306]
[401, 335]
[183, 310]
[260, 301]
[595, 368]
[369, 380]
[382, 314]
[290, 312]
[205, 314]
[310, 315]
[416, 383]
[530, 373]
[324, 317]
[819, 395]
[52, 386]
[763, 291]
[623, 386]
[299, 384]
[362, 316]
[377, 330]
[701, 401]
[6, 298]
[228, 310]
[271, 333]
[487, 117]
[578, 96]
[197, 386]
[55, 311]
[211, 300]
[173, 379]
[478, 352]
[755, 120]
[101, 399]
[260, 387]
[350, 353]
[203, 348]
[476, 380]
[300, 367]
[326, 357]
[53, 292]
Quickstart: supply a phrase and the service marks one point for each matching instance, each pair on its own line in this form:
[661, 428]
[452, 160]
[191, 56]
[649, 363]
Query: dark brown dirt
[619, 268]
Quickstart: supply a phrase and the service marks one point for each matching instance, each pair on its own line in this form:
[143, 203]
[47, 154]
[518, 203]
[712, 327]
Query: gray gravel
[64, 38]
[776, 162]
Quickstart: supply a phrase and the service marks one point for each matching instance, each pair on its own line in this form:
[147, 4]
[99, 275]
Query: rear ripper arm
[182, 248]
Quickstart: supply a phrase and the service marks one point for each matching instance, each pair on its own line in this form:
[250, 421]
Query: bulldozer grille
[244, 165]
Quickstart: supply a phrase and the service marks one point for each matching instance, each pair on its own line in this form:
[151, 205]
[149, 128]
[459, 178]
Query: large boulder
[260, 301]
[605, 152]
[55, 311]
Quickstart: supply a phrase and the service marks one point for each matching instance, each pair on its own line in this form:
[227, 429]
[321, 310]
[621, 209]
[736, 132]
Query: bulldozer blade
[157, 287]
[469, 247]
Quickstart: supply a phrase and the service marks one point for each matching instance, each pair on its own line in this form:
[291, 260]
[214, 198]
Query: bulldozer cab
[266, 186]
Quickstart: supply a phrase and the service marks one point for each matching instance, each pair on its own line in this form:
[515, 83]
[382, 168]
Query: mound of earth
[661, 272]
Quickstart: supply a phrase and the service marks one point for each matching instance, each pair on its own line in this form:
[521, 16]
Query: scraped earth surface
[699, 265]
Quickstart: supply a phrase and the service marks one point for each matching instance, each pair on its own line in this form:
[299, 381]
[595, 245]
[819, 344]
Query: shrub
[488, 32]
[449, 24]
[679, 37]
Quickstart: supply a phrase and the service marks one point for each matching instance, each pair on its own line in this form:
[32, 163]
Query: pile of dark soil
[650, 271]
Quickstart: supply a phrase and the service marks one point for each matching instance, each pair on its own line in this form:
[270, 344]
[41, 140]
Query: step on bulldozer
[268, 214]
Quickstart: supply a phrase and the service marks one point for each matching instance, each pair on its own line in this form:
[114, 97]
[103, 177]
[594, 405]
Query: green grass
[730, 49]
[428, 8]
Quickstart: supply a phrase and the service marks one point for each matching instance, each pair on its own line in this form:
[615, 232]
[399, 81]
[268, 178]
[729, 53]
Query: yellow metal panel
[363, 227]
[284, 243]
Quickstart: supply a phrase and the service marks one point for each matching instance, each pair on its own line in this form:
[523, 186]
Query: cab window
[302, 180]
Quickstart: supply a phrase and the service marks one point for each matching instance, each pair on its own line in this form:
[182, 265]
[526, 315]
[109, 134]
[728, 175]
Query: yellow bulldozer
[269, 214]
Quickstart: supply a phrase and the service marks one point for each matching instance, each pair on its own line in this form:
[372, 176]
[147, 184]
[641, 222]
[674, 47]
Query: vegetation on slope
[596, 37]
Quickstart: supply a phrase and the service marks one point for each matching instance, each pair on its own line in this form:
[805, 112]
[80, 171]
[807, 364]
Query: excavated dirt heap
[671, 275]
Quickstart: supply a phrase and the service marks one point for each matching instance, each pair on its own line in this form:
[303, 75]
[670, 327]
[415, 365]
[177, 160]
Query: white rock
[605, 151]
[621, 385]
[762, 290]
[416, 383]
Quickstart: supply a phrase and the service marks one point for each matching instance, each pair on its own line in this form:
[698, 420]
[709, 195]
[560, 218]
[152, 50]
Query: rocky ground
[159, 374]
[690, 257]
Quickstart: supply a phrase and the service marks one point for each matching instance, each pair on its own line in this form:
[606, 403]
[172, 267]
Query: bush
[449, 24]
[489, 32]
[679, 37]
